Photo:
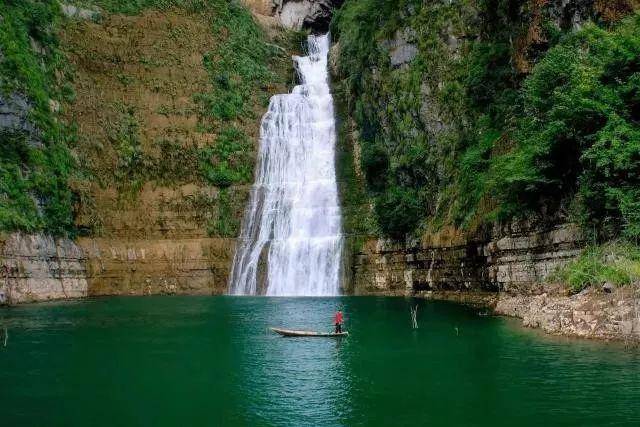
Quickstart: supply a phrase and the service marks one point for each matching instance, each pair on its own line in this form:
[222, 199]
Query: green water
[195, 361]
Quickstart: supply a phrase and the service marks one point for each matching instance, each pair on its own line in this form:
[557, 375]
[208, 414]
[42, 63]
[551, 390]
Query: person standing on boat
[338, 321]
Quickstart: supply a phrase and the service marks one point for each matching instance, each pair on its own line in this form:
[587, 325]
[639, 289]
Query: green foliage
[615, 263]
[225, 105]
[35, 166]
[226, 222]
[357, 218]
[33, 186]
[124, 134]
[470, 137]
[580, 130]
[239, 67]
[491, 80]
[396, 152]
[472, 179]
[17, 209]
[229, 161]
[134, 7]
[375, 164]
[398, 210]
[175, 163]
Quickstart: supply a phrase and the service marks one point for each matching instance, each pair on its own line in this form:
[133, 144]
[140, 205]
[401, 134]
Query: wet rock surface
[158, 266]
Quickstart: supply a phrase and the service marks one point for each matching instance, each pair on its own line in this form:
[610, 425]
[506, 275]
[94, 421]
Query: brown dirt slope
[153, 229]
[136, 77]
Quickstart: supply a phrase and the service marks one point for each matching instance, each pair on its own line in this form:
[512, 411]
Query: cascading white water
[293, 211]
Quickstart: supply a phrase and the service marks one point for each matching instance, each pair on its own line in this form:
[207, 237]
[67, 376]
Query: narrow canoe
[290, 333]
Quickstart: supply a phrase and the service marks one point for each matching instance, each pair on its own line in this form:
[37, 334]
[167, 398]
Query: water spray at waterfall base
[292, 224]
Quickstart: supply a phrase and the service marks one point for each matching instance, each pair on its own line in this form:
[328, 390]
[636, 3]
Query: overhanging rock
[298, 14]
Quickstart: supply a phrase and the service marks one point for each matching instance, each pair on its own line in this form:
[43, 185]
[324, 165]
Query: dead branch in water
[414, 316]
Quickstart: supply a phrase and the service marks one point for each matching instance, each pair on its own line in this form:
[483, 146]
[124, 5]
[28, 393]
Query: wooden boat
[290, 333]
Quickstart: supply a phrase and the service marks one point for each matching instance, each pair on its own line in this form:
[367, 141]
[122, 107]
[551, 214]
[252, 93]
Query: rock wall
[589, 314]
[158, 266]
[510, 258]
[505, 271]
[38, 267]
[297, 14]
[14, 117]
[152, 217]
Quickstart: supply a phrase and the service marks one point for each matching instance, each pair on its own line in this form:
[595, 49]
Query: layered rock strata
[512, 257]
[37, 267]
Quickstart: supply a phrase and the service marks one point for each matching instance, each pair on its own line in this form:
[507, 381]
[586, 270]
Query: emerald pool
[195, 361]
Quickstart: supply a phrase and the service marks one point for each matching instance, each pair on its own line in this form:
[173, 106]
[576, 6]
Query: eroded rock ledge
[590, 314]
[503, 271]
[513, 257]
[37, 267]
[297, 14]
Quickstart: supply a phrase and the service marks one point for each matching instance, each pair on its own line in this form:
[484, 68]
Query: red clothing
[338, 318]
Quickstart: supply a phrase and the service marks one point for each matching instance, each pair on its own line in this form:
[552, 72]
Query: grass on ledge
[617, 263]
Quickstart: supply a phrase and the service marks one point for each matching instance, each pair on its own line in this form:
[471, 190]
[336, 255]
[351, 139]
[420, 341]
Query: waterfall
[293, 215]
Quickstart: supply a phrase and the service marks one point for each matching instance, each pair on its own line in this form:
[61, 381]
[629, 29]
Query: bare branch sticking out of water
[6, 336]
[414, 317]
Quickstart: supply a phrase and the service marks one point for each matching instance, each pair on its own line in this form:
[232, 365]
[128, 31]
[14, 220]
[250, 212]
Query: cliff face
[163, 266]
[37, 267]
[451, 108]
[162, 126]
[510, 259]
[153, 224]
[405, 119]
[448, 112]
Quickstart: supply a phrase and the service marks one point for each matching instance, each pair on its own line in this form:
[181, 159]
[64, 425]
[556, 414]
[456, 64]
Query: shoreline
[591, 314]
